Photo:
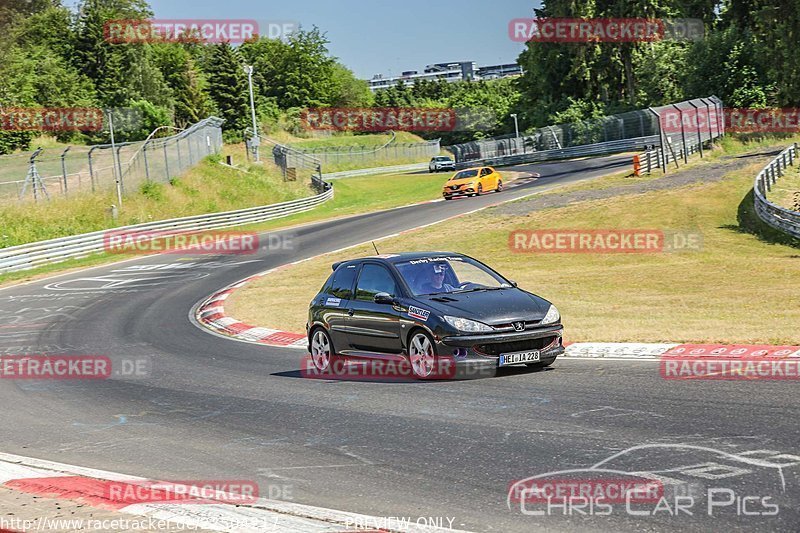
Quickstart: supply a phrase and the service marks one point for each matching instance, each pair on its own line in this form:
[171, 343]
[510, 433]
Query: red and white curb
[211, 313]
[641, 350]
[88, 486]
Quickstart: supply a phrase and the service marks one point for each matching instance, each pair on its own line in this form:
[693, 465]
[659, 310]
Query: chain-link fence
[684, 123]
[47, 172]
[293, 164]
[391, 153]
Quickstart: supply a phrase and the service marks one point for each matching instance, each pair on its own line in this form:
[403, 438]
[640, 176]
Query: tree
[229, 89]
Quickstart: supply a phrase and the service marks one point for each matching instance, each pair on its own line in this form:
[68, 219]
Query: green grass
[209, 187]
[737, 289]
[352, 196]
[350, 140]
[786, 190]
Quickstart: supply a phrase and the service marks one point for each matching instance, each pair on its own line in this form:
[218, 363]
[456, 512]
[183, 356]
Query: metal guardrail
[679, 128]
[375, 170]
[29, 256]
[610, 147]
[778, 217]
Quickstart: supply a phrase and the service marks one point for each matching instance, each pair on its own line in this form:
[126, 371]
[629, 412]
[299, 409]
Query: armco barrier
[778, 217]
[610, 147]
[28, 256]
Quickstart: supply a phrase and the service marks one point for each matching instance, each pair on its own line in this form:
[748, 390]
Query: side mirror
[384, 298]
[512, 282]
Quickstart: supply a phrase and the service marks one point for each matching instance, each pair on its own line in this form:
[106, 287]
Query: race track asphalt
[213, 408]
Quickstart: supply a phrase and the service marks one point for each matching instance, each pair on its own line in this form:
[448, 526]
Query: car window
[460, 273]
[342, 283]
[485, 172]
[466, 174]
[372, 280]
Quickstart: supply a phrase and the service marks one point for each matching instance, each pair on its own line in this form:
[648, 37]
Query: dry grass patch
[737, 289]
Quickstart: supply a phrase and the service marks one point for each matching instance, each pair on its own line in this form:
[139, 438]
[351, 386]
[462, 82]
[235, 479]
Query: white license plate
[518, 358]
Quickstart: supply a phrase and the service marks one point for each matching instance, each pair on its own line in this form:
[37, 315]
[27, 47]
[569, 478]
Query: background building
[451, 72]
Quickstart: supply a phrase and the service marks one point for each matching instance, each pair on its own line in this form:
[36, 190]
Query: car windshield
[466, 174]
[438, 275]
[443, 159]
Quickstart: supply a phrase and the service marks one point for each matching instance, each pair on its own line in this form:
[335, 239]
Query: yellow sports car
[473, 182]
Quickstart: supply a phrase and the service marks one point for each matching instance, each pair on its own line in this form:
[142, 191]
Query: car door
[374, 327]
[335, 302]
[494, 177]
[485, 180]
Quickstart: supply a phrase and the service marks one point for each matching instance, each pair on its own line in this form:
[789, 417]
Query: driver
[435, 283]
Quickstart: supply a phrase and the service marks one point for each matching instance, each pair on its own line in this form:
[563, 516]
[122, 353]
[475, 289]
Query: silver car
[440, 163]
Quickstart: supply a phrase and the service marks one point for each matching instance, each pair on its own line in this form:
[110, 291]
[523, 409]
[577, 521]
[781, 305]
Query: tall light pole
[516, 129]
[254, 141]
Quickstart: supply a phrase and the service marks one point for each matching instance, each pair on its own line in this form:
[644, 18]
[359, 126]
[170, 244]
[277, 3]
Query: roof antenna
[376, 248]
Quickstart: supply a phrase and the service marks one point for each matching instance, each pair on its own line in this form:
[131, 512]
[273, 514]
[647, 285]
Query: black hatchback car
[427, 309]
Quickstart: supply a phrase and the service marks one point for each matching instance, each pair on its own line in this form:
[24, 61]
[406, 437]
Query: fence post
[683, 135]
[166, 162]
[146, 162]
[64, 168]
[697, 123]
[91, 168]
[119, 169]
[662, 153]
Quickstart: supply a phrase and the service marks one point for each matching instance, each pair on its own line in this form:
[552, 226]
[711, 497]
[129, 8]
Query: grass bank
[738, 288]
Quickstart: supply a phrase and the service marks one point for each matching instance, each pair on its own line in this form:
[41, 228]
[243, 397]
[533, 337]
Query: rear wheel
[322, 350]
[421, 355]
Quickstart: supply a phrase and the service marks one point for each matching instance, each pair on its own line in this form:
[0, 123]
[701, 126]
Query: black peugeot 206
[426, 309]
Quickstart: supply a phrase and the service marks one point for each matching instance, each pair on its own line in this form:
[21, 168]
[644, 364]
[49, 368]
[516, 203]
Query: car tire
[448, 197]
[499, 186]
[422, 354]
[323, 353]
[480, 190]
[541, 365]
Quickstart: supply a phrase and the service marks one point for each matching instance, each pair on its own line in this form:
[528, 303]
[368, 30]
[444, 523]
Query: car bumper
[473, 361]
[459, 192]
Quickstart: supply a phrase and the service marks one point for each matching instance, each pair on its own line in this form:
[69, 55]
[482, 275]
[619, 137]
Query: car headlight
[552, 316]
[465, 325]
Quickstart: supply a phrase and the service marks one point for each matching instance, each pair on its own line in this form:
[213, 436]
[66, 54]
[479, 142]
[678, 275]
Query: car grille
[455, 187]
[510, 325]
[497, 348]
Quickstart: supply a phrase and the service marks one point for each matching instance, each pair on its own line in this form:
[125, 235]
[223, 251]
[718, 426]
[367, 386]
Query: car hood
[490, 307]
[462, 181]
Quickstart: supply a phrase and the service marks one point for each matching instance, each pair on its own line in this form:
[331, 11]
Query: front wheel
[499, 186]
[421, 355]
[480, 190]
[322, 350]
